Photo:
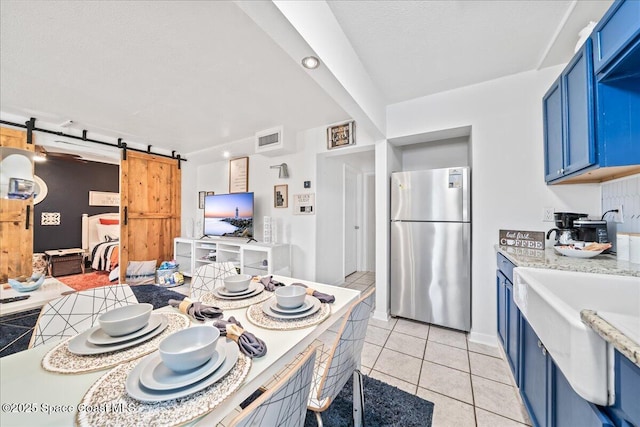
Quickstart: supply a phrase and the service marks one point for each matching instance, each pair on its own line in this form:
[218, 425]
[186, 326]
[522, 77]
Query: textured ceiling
[188, 75]
[179, 75]
[417, 48]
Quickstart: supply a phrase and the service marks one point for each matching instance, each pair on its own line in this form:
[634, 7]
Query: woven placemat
[59, 359]
[228, 304]
[258, 317]
[109, 392]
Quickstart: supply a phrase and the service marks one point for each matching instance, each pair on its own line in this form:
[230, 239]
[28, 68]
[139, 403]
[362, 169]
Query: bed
[100, 240]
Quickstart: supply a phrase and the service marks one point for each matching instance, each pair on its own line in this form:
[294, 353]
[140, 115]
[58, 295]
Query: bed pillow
[107, 221]
[107, 233]
[141, 272]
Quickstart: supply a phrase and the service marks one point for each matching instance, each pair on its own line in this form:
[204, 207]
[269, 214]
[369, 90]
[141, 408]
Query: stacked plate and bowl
[186, 362]
[118, 329]
[237, 287]
[291, 302]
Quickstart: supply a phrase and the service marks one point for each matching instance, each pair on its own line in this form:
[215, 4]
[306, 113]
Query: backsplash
[625, 192]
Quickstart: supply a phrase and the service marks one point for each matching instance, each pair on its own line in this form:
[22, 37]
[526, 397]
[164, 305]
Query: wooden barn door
[16, 217]
[150, 191]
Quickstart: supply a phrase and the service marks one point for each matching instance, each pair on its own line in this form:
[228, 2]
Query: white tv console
[251, 258]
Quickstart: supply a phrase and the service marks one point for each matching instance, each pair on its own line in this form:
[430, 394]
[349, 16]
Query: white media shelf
[251, 258]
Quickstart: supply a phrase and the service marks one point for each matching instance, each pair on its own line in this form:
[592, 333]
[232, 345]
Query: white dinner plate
[227, 293]
[306, 305]
[100, 337]
[79, 344]
[266, 307]
[259, 289]
[155, 375]
[576, 253]
[143, 394]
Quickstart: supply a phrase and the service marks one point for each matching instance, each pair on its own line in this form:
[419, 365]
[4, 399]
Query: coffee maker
[589, 230]
[565, 230]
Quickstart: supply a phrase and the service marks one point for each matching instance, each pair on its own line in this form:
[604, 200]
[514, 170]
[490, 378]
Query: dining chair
[335, 364]
[284, 404]
[208, 277]
[77, 312]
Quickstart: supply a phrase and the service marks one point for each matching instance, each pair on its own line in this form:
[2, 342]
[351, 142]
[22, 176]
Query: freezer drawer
[431, 272]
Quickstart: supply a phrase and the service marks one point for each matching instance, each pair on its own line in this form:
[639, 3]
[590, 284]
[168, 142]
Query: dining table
[32, 396]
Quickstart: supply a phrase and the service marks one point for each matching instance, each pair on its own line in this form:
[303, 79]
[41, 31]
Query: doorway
[351, 221]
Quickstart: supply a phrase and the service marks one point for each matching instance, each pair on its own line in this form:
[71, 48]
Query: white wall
[508, 188]
[437, 154]
[208, 171]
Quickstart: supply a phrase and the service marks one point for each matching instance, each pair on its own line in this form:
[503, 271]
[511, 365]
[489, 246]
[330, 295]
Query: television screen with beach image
[228, 215]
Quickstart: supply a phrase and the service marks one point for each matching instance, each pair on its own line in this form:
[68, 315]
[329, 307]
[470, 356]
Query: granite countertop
[623, 343]
[548, 258]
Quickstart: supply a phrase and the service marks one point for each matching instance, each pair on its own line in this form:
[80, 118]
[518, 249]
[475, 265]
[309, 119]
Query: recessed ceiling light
[310, 62]
[226, 154]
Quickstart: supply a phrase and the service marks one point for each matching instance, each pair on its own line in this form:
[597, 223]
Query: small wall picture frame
[281, 196]
[239, 175]
[201, 195]
[341, 135]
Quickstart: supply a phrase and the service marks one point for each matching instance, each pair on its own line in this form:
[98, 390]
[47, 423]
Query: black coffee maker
[566, 232]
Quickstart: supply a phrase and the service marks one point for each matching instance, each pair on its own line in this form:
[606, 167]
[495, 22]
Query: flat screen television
[228, 215]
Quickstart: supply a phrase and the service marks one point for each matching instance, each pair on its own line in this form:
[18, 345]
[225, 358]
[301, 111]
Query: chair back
[284, 404]
[208, 277]
[74, 313]
[344, 357]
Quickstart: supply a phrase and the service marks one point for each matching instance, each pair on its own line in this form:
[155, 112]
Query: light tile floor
[469, 383]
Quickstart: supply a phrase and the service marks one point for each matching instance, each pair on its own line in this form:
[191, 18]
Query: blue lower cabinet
[535, 376]
[625, 412]
[569, 409]
[513, 333]
[502, 309]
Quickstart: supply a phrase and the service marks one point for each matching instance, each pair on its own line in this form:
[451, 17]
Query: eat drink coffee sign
[522, 239]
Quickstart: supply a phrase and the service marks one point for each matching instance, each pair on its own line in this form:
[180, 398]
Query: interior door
[16, 218]
[350, 221]
[150, 188]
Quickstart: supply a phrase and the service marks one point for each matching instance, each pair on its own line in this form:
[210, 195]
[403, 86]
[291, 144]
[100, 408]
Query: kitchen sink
[551, 301]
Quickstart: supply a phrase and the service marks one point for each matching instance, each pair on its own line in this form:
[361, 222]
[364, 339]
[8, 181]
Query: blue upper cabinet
[568, 114]
[618, 28]
[594, 108]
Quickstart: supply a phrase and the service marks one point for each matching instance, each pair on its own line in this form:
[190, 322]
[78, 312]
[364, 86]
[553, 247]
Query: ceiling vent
[270, 141]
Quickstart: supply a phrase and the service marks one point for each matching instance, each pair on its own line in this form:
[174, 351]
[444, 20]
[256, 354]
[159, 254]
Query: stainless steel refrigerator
[431, 246]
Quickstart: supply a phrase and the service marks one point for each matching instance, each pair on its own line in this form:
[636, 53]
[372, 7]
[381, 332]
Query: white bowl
[237, 282]
[576, 253]
[188, 348]
[125, 320]
[290, 296]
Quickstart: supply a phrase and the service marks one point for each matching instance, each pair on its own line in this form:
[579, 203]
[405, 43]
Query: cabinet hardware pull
[539, 344]
[544, 351]
[26, 224]
[126, 215]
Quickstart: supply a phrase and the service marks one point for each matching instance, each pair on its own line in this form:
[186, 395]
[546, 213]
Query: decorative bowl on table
[27, 284]
[290, 296]
[189, 348]
[237, 282]
[125, 320]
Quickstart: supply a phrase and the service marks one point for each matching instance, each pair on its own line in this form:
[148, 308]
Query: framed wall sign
[281, 196]
[341, 135]
[104, 198]
[239, 175]
[303, 204]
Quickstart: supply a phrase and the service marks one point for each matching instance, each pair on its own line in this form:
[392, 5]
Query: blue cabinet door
[577, 82]
[569, 409]
[513, 332]
[553, 132]
[502, 310]
[533, 383]
[619, 26]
